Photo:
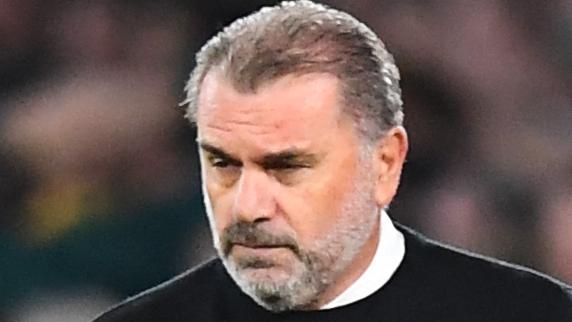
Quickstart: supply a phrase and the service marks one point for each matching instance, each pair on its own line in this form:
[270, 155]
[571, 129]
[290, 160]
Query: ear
[389, 156]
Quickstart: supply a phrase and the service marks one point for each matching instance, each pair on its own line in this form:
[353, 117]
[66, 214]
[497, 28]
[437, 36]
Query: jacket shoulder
[164, 301]
[470, 281]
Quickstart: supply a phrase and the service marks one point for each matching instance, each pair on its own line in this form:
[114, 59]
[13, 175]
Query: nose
[254, 201]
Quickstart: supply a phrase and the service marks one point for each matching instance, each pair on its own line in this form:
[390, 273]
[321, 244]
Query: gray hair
[299, 37]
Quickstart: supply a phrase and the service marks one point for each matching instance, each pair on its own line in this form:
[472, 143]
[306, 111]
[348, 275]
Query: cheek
[220, 203]
[313, 209]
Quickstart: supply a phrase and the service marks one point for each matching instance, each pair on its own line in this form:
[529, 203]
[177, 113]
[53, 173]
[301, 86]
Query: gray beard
[299, 292]
[316, 268]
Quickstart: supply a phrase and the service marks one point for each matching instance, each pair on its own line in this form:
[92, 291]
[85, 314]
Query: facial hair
[315, 267]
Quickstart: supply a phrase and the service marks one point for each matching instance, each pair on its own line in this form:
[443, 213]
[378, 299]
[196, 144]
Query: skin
[287, 160]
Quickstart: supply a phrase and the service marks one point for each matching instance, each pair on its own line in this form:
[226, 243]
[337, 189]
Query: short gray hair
[299, 37]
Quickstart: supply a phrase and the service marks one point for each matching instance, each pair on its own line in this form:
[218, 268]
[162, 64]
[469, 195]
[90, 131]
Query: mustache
[252, 235]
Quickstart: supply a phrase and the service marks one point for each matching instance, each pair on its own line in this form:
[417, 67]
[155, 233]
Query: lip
[260, 246]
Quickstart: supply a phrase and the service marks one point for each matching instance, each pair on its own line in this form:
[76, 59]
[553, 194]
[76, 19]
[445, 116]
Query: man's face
[288, 189]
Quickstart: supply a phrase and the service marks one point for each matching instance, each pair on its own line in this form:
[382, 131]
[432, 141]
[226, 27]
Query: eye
[224, 171]
[288, 167]
[219, 163]
[288, 173]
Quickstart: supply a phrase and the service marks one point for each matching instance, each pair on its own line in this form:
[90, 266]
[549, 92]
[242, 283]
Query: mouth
[263, 259]
[262, 252]
[259, 247]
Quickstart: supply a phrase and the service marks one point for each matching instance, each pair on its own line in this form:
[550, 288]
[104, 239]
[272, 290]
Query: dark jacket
[433, 283]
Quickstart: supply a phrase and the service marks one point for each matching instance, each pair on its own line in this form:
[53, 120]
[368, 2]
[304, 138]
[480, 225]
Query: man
[299, 120]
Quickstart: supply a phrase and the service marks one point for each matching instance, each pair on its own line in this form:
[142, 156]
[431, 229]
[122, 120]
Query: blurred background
[99, 186]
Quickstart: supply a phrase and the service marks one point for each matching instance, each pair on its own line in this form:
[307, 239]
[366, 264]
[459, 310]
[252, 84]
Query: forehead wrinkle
[252, 127]
[257, 121]
[262, 139]
[266, 122]
[215, 82]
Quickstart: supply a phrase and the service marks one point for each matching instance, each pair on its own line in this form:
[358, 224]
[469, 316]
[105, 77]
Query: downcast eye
[288, 174]
[288, 167]
[220, 163]
[224, 171]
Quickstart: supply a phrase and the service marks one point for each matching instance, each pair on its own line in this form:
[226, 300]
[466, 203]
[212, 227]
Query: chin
[277, 288]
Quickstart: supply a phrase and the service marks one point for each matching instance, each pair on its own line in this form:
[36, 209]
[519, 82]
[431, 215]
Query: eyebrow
[268, 161]
[218, 152]
[287, 157]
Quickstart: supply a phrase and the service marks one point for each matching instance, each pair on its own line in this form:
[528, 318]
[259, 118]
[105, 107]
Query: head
[299, 117]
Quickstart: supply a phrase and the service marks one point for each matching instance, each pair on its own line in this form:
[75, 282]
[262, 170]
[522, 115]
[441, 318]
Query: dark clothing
[433, 283]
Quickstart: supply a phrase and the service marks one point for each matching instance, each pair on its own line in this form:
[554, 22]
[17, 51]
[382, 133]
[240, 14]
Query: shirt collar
[388, 256]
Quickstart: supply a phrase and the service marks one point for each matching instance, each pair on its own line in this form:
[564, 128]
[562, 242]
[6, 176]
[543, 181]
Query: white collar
[388, 256]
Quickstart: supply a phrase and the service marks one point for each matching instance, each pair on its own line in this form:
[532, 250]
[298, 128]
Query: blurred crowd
[99, 182]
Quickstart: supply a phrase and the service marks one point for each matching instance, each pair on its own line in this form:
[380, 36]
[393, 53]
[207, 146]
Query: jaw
[350, 268]
[291, 285]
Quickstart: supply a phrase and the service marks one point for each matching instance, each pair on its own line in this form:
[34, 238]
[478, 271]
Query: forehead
[292, 111]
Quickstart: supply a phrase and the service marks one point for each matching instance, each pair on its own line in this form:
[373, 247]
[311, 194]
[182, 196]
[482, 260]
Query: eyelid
[286, 166]
[215, 159]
